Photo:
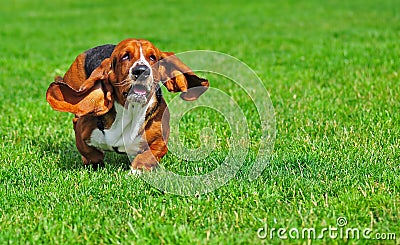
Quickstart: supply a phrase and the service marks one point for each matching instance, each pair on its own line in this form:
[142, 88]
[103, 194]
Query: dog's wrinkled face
[134, 71]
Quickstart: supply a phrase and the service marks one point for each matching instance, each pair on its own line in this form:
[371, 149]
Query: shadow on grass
[66, 156]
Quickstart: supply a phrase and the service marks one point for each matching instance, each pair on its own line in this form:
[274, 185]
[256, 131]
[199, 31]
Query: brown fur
[92, 98]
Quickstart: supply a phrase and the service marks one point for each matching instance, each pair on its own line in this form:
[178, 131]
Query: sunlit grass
[332, 71]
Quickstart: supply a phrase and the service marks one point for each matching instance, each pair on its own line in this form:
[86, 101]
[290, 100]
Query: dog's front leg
[156, 136]
[149, 159]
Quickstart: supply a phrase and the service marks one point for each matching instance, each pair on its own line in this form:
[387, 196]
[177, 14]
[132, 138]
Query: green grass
[332, 71]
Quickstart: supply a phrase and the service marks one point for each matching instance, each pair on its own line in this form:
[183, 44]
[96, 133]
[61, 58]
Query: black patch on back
[95, 56]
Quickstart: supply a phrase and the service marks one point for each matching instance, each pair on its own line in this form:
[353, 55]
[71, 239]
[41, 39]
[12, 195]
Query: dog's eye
[152, 57]
[125, 57]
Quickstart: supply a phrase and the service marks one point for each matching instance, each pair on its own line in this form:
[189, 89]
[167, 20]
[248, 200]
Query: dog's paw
[145, 162]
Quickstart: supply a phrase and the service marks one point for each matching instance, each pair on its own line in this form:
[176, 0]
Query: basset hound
[114, 93]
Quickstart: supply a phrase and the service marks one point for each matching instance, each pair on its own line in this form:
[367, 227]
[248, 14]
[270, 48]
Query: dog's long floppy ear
[178, 77]
[94, 97]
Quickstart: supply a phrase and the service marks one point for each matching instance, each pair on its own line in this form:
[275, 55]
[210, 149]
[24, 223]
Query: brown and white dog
[114, 93]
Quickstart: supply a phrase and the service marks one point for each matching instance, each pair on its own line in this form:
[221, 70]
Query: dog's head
[133, 70]
[130, 74]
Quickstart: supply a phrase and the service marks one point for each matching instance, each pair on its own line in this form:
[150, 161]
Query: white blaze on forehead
[142, 58]
[141, 61]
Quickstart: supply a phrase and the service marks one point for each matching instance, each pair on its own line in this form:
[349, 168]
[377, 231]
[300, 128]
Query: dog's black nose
[141, 71]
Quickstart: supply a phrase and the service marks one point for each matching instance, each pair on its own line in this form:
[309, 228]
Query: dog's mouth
[138, 93]
[139, 90]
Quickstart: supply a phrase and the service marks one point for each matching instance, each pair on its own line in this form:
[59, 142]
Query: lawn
[332, 71]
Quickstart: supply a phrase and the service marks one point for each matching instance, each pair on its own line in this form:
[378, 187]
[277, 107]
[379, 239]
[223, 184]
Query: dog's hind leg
[83, 127]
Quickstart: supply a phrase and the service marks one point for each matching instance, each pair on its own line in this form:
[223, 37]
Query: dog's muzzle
[141, 84]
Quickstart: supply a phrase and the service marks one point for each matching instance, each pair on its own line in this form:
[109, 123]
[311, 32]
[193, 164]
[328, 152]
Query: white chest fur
[123, 135]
